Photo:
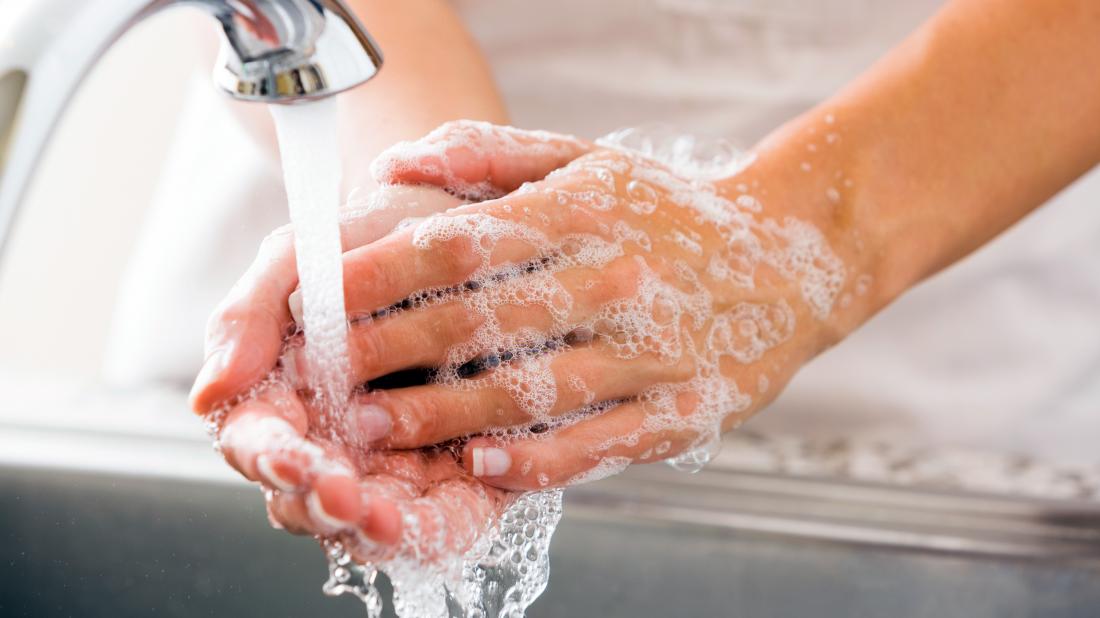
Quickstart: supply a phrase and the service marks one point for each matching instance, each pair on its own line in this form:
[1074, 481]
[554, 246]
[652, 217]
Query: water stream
[309, 145]
[509, 568]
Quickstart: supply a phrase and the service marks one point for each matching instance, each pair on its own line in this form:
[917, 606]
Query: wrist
[812, 170]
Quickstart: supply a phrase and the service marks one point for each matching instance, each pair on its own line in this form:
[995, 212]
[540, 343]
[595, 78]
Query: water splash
[513, 567]
[345, 576]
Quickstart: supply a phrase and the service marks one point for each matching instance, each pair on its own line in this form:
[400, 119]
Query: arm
[974, 121]
[978, 118]
[433, 72]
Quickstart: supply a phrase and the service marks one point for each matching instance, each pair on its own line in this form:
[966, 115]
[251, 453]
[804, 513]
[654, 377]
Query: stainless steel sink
[160, 533]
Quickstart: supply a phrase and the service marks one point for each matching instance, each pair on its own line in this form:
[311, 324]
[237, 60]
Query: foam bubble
[670, 307]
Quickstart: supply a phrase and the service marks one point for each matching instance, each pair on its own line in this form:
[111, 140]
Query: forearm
[978, 118]
[433, 72]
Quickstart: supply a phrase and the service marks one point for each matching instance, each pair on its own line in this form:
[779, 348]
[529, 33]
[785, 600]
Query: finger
[447, 251]
[327, 503]
[245, 334]
[593, 448]
[446, 521]
[477, 159]
[382, 520]
[528, 390]
[367, 220]
[289, 512]
[450, 517]
[485, 319]
[397, 479]
[332, 505]
[272, 421]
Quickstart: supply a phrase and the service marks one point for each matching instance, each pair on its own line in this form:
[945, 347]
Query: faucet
[273, 51]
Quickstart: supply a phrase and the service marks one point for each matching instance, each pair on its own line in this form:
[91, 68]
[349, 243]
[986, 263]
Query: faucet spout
[286, 51]
[273, 51]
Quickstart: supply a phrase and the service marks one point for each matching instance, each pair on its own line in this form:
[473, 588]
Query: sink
[180, 536]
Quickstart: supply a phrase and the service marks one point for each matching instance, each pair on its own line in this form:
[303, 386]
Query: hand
[612, 313]
[631, 312]
[363, 498]
[319, 487]
[245, 335]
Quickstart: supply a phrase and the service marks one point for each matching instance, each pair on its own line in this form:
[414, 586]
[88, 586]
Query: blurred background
[80, 220]
[113, 503]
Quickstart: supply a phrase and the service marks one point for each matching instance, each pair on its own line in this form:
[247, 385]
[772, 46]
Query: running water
[311, 169]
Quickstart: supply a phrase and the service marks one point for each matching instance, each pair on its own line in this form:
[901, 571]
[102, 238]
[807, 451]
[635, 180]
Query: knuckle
[457, 324]
[475, 129]
[278, 239]
[229, 313]
[681, 370]
[619, 281]
[372, 345]
[376, 276]
[419, 421]
[457, 257]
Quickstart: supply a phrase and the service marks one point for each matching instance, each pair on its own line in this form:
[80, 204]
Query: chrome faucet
[273, 51]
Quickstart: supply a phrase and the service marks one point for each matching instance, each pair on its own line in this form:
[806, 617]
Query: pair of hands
[602, 310]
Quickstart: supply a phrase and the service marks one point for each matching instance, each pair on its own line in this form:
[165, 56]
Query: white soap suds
[670, 256]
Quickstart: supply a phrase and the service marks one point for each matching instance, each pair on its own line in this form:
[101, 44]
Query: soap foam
[668, 311]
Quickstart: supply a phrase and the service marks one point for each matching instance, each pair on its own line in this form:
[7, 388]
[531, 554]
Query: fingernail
[372, 422]
[294, 303]
[491, 461]
[322, 517]
[211, 368]
[271, 475]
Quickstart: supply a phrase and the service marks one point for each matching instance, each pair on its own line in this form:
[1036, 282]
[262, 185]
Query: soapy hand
[268, 432]
[618, 311]
[366, 499]
[246, 333]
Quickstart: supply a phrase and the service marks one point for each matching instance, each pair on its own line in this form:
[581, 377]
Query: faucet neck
[275, 51]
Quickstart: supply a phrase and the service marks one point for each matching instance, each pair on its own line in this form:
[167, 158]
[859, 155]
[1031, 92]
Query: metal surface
[113, 504]
[101, 545]
[275, 51]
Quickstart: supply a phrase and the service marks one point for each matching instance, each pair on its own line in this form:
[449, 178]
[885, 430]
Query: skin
[433, 72]
[975, 120]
